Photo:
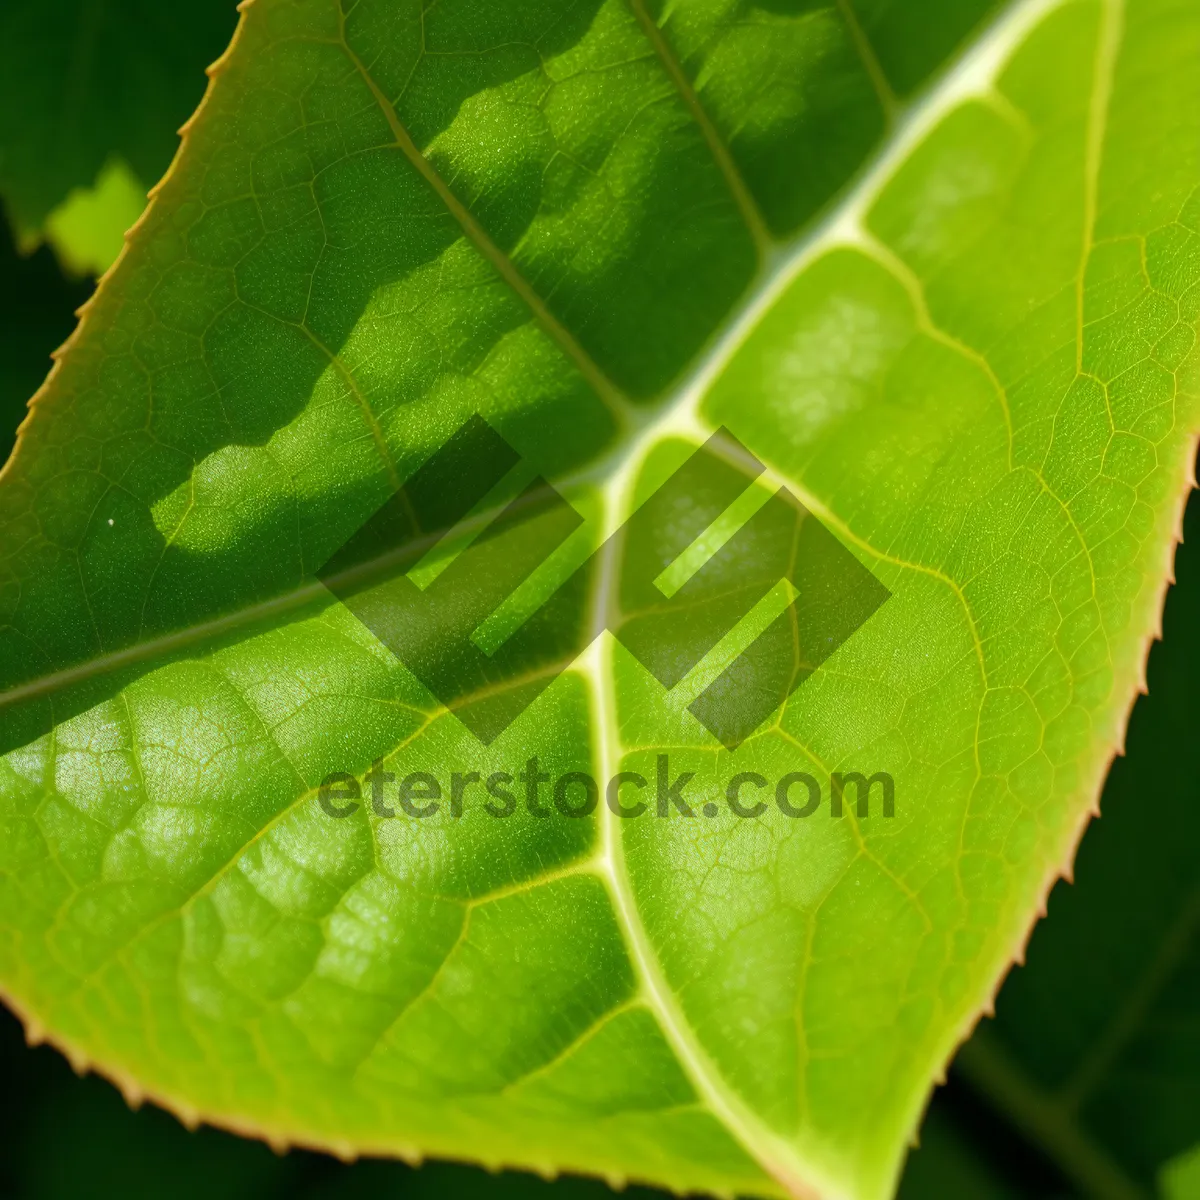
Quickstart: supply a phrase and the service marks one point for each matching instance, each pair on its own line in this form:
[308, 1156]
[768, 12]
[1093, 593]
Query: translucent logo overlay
[623, 586]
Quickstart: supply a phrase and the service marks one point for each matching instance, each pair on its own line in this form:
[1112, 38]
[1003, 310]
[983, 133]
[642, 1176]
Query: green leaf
[87, 230]
[1181, 1177]
[1090, 1060]
[608, 228]
[1093, 1045]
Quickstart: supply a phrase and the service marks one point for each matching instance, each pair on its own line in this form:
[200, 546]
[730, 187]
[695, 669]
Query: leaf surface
[959, 327]
[1099, 1027]
[1088, 1060]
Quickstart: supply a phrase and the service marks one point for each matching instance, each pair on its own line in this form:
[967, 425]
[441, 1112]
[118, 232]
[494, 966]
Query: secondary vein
[747, 205]
[1107, 45]
[610, 395]
[870, 61]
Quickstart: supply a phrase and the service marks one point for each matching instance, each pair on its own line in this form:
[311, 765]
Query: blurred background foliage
[1087, 1082]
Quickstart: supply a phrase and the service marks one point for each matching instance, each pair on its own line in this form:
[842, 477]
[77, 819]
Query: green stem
[985, 1066]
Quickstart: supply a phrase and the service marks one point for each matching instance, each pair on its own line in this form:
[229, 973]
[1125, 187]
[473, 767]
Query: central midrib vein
[776, 1157]
[974, 73]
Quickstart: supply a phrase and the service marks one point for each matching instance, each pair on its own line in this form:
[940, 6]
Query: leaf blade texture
[608, 229]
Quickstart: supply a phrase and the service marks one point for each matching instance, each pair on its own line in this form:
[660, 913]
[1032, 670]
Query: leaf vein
[610, 395]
